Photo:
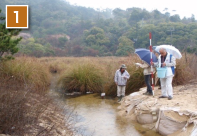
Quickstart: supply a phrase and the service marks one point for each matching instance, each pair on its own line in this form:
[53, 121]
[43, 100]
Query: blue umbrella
[144, 55]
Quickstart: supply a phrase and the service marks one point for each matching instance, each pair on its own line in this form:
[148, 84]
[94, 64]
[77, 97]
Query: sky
[185, 8]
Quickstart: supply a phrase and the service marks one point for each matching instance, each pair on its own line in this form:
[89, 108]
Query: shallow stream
[94, 116]
[98, 117]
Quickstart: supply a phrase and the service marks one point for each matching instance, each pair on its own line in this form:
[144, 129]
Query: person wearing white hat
[121, 77]
[169, 61]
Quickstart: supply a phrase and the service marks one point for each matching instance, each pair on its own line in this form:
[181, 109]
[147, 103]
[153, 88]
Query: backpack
[172, 67]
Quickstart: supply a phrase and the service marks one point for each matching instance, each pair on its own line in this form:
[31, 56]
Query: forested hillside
[60, 29]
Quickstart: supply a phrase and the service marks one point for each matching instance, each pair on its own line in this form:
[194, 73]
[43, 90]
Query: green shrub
[83, 78]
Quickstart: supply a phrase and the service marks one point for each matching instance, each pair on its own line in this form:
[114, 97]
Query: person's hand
[137, 65]
[116, 83]
[152, 63]
[125, 77]
[164, 64]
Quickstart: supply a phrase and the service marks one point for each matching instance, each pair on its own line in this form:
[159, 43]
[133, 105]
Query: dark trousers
[147, 81]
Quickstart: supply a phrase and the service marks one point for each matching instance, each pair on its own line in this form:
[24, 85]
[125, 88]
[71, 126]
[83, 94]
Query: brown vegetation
[83, 78]
[26, 108]
[185, 70]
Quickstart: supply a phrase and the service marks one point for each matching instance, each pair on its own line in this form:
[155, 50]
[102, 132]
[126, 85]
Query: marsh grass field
[25, 82]
[84, 73]
[94, 74]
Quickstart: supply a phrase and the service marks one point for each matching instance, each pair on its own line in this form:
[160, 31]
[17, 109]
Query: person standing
[167, 60]
[147, 76]
[121, 77]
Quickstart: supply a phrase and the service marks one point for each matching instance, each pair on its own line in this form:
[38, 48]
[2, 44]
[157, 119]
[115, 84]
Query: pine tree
[8, 43]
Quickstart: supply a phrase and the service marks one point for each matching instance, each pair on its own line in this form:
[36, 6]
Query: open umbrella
[169, 48]
[144, 55]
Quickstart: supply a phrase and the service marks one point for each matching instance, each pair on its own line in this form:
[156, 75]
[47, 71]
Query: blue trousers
[147, 81]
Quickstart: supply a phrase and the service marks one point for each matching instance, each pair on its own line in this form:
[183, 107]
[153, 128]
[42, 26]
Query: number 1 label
[16, 16]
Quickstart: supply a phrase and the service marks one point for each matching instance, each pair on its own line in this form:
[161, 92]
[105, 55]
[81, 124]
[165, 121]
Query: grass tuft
[82, 78]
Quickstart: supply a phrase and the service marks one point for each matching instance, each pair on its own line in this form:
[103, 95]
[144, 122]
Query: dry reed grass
[24, 82]
[24, 100]
[105, 66]
[26, 71]
[185, 69]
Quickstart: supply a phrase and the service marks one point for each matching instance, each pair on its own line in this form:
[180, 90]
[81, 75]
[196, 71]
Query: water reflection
[99, 117]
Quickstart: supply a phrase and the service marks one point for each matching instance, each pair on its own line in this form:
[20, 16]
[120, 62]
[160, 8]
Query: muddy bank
[176, 117]
[29, 112]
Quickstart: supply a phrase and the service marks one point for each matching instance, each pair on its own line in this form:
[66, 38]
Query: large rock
[176, 117]
[170, 120]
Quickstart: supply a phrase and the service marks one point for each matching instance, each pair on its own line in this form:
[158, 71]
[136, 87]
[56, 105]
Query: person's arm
[144, 65]
[116, 78]
[172, 63]
[127, 76]
[155, 64]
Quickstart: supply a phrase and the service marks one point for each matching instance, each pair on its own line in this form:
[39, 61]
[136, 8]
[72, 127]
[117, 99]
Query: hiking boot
[146, 93]
[122, 97]
[170, 98]
[119, 98]
[162, 96]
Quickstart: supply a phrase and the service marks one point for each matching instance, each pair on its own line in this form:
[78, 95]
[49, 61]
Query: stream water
[98, 117]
